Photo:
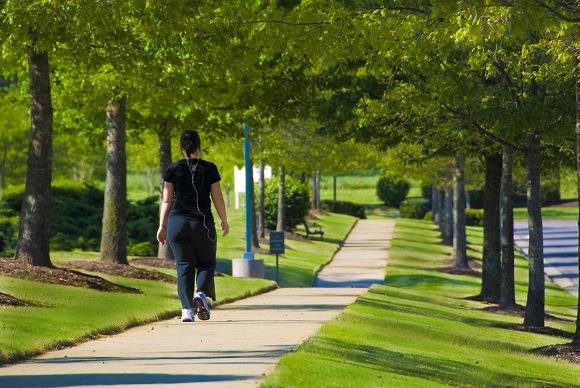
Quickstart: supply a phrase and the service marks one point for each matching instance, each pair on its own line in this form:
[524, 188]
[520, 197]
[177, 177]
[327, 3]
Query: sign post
[247, 266]
[248, 254]
[277, 247]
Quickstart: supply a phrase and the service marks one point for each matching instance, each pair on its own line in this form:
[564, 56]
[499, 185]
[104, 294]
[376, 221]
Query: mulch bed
[567, 352]
[7, 300]
[62, 276]
[115, 269]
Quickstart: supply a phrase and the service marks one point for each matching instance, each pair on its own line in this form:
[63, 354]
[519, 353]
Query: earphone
[192, 169]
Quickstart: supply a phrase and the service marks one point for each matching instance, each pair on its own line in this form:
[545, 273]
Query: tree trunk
[534, 315]
[34, 235]
[281, 225]
[261, 198]
[435, 205]
[459, 236]
[164, 149]
[576, 339]
[441, 223]
[318, 203]
[114, 236]
[507, 296]
[314, 192]
[448, 220]
[491, 257]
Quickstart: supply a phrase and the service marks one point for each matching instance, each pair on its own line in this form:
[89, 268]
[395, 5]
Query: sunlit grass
[419, 330]
[64, 315]
[550, 213]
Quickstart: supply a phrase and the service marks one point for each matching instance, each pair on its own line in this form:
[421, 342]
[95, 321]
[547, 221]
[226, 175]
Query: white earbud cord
[197, 196]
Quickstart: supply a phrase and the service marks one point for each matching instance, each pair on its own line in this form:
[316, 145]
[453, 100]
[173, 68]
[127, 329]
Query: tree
[491, 257]
[459, 253]
[114, 233]
[507, 295]
[34, 234]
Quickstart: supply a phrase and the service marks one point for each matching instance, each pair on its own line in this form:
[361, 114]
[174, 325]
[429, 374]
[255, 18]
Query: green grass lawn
[420, 330]
[63, 315]
[550, 213]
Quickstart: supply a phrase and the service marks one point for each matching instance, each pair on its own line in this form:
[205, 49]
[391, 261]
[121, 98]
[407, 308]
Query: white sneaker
[201, 305]
[187, 315]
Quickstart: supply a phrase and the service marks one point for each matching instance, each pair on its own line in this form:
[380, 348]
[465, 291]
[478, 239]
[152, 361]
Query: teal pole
[248, 254]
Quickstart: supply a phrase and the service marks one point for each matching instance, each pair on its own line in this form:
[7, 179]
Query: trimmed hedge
[473, 217]
[392, 190]
[412, 210]
[344, 207]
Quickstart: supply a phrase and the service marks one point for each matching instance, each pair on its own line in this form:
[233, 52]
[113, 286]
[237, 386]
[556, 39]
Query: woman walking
[186, 222]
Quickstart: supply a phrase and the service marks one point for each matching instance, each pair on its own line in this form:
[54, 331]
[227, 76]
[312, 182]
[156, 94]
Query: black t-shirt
[192, 187]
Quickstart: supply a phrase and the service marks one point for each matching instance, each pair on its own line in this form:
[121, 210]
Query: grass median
[420, 329]
[58, 316]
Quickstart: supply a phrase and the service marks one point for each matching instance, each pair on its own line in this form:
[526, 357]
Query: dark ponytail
[190, 141]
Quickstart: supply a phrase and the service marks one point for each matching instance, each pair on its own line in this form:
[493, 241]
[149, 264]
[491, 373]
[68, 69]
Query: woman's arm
[220, 206]
[168, 192]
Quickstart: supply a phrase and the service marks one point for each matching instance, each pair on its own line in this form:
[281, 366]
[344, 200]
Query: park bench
[313, 230]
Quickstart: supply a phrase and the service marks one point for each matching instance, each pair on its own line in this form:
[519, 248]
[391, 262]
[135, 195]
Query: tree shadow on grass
[470, 372]
[412, 281]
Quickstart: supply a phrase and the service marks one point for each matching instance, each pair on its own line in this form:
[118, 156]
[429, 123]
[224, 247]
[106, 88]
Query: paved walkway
[236, 348]
[560, 250]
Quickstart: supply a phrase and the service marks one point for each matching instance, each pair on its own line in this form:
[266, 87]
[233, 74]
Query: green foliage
[427, 191]
[12, 199]
[412, 210]
[76, 216]
[142, 219]
[393, 190]
[297, 202]
[474, 217]
[344, 207]
[424, 317]
[8, 235]
[141, 249]
[476, 198]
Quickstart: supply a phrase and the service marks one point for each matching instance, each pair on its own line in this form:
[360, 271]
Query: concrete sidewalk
[239, 345]
[560, 250]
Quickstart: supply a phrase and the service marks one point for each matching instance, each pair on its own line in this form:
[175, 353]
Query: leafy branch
[479, 128]
[567, 5]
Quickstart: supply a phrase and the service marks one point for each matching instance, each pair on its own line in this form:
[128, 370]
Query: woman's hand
[225, 228]
[162, 235]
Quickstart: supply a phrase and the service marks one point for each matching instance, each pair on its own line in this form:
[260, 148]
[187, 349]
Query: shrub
[474, 217]
[392, 190]
[76, 216]
[476, 198]
[428, 216]
[141, 249]
[427, 191]
[344, 207]
[297, 202]
[76, 219]
[142, 220]
[12, 199]
[412, 210]
[8, 235]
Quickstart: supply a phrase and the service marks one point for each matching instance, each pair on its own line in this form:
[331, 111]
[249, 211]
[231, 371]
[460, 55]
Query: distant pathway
[362, 260]
[241, 343]
[560, 250]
